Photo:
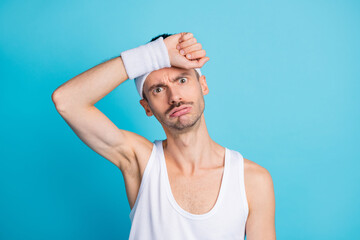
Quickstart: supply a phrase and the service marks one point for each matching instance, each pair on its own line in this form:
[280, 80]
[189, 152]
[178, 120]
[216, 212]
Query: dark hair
[164, 35]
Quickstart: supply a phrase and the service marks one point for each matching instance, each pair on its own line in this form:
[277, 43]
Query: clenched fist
[184, 51]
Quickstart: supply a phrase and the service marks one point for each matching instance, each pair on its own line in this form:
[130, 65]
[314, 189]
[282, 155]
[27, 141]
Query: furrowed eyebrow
[164, 85]
[182, 75]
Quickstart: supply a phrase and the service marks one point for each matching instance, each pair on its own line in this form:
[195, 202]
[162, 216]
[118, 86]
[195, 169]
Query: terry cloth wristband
[141, 61]
[146, 58]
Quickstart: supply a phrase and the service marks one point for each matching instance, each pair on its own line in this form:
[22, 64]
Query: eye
[182, 79]
[157, 90]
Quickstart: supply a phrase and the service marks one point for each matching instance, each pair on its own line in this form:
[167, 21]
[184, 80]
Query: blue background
[284, 83]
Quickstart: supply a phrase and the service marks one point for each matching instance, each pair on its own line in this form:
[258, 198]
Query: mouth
[180, 111]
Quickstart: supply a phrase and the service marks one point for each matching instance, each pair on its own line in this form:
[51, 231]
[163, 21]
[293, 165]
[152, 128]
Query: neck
[193, 151]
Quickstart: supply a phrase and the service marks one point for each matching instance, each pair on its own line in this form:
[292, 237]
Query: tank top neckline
[171, 198]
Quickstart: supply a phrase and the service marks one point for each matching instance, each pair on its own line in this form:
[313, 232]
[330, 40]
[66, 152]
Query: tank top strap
[146, 176]
[238, 170]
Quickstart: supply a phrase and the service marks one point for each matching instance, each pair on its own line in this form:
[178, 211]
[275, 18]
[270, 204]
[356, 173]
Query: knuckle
[194, 47]
[188, 48]
[189, 42]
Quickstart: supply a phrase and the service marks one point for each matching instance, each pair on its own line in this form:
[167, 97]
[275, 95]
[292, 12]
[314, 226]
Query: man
[186, 186]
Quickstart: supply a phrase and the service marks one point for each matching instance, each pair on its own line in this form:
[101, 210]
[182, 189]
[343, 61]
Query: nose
[174, 96]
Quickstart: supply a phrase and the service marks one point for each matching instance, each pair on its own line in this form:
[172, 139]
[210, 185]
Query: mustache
[178, 104]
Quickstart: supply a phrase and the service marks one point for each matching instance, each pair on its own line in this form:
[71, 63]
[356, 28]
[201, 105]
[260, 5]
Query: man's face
[170, 89]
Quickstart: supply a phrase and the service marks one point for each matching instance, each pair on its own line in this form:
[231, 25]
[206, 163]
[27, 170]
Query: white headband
[139, 62]
[139, 81]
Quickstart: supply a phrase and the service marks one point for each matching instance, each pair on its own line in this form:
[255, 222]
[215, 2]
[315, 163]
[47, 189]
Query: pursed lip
[178, 109]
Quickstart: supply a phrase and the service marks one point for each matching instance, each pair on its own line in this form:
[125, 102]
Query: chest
[196, 195]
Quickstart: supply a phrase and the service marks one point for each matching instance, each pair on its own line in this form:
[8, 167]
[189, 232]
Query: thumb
[198, 63]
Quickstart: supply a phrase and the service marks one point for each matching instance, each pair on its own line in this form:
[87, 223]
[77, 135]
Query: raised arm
[75, 100]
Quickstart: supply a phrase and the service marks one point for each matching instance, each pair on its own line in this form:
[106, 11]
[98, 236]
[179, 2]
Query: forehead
[166, 74]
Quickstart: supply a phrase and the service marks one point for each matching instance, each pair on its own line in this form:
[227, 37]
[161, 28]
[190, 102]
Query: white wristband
[146, 58]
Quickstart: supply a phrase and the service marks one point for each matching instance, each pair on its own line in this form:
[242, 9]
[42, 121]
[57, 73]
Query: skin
[188, 142]
[187, 85]
[188, 146]
[189, 150]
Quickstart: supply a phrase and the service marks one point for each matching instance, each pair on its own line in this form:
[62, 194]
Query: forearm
[89, 87]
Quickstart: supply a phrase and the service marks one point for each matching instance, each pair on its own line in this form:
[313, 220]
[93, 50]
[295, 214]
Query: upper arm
[261, 198]
[99, 133]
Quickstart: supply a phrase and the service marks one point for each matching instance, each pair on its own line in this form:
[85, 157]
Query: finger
[186, 43]
[202, 61]
[192, 48]
[185, 36]
[196, 54]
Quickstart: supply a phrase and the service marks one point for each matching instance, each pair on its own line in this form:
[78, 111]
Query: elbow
[56, 99]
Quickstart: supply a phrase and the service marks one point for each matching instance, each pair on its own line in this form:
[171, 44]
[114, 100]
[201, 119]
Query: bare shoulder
[258, 181]
[252, 169]
[259, 188]
[137, 151]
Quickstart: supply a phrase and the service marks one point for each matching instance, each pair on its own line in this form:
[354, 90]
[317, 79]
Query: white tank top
[156, 214]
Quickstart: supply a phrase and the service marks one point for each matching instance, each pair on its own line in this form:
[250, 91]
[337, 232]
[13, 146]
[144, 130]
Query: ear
[145, 105]
[204, 86]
